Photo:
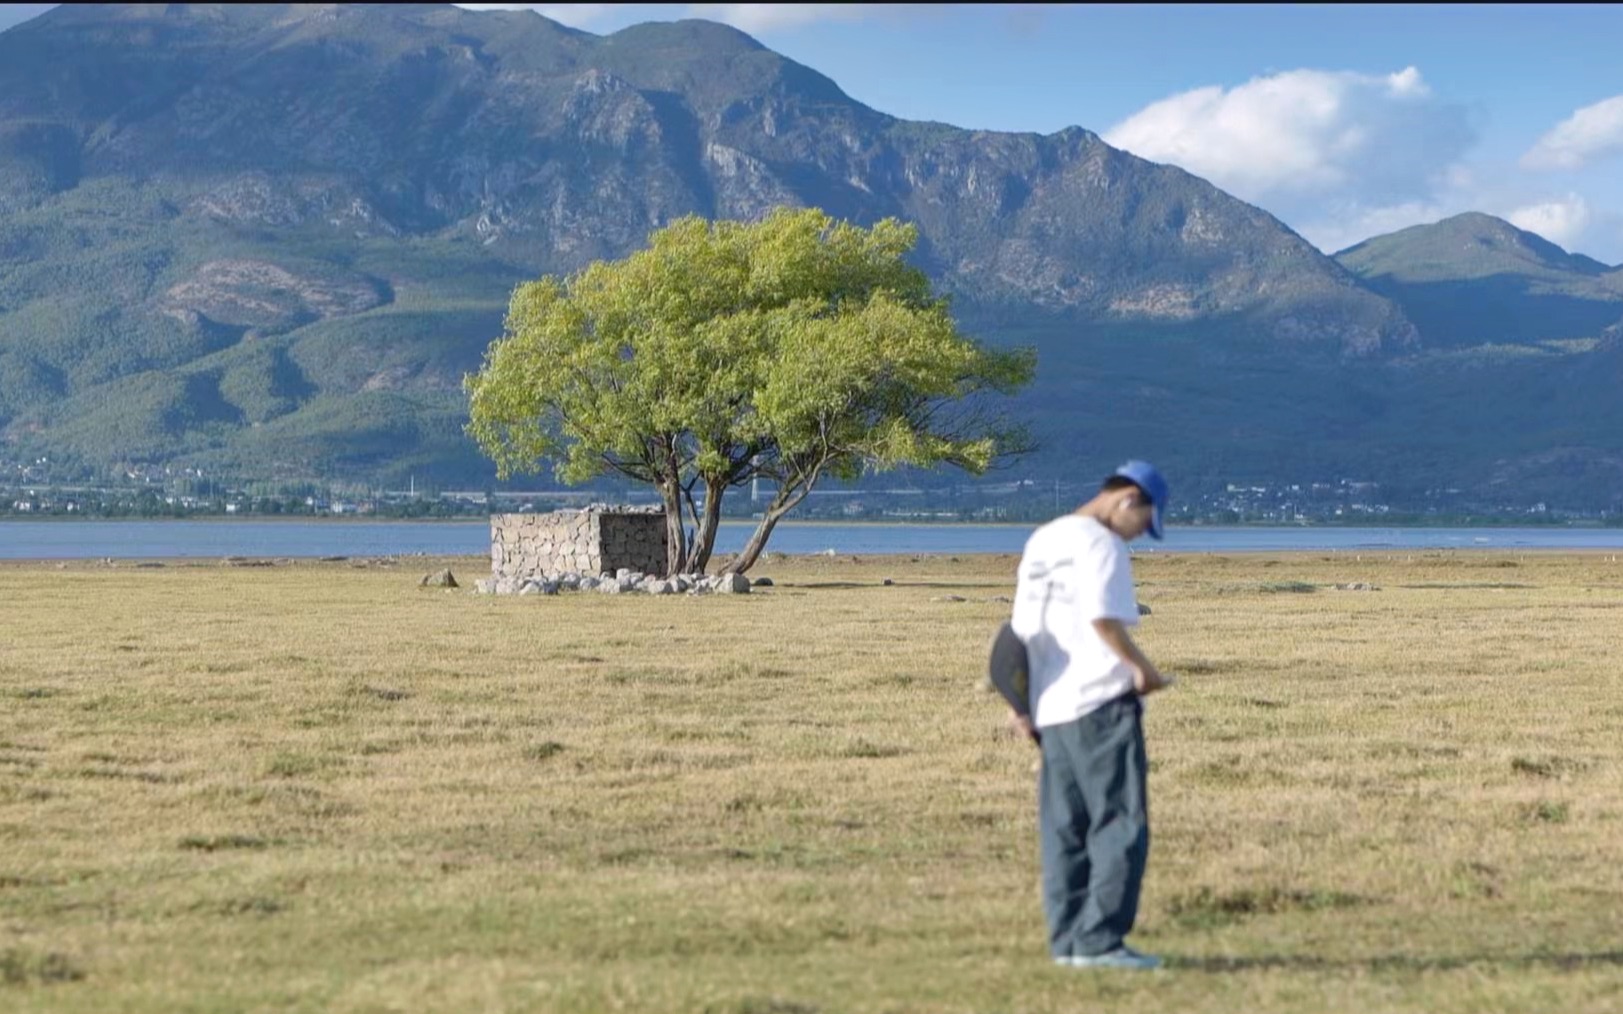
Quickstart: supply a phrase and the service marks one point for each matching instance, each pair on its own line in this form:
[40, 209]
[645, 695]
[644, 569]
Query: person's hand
[1149, 679]
[1021, 724]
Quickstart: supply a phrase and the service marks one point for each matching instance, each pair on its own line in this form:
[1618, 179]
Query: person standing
[1073, 606]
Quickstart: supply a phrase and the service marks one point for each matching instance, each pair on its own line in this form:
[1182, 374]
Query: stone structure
[625, 582]
[596, 540]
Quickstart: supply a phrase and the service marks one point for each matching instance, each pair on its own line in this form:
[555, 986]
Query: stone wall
[596, 540]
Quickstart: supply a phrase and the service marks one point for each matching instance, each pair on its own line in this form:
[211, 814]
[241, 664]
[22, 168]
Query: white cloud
[1561, 221]
[1339, 156]
[1307, 135]
[1591, 133]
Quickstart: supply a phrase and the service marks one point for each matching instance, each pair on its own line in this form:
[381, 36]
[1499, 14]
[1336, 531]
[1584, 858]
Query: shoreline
[322, 519]
[217, 540]
[359, 560]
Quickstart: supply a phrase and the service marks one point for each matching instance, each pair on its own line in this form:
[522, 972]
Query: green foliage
[777, 337]
[386, 434]
[263, 383]
[1289, 587]
[794, 347]
[143, 416]
[95, 366]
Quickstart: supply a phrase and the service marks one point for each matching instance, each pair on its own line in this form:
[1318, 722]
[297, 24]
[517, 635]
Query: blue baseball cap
[1149, 479]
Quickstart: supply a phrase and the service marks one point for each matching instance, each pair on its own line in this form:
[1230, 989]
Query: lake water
[66, 540]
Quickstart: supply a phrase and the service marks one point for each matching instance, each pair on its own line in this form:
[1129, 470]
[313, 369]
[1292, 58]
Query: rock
[887, 582]
[530, 588]
[1357, 586]
[1000, 598]
[681, 583]
[829, 552]
[732, 584]
[334, 559]
[659, 588]
[443, 579]
[569, 582]
[1143, 610]
[762, 582]
[949, 598]
[508, 586]
[587, 583]
[486, 586]
[609, 586]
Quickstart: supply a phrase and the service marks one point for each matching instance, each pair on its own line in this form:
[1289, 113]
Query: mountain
[1474, 279]
[275, 236]
[1515, 394]
[555, 146]
[271, 239]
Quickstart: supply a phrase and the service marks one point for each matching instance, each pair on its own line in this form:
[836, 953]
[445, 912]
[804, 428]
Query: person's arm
[1025, 726]
[1147, 679]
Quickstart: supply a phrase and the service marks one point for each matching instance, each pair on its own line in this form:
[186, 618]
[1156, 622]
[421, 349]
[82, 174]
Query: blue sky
[1345, 121]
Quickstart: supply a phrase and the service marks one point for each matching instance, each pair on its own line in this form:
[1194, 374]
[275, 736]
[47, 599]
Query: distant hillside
[271, 239]
[1474, 279]
[275, 236]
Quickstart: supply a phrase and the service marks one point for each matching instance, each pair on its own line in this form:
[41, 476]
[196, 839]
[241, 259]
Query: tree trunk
[675, 532]
[782, 503]
[704, 538]
[790, 493]
[757, 542]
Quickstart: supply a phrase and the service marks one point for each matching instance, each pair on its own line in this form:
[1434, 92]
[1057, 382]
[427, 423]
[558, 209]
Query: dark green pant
[1094, 821]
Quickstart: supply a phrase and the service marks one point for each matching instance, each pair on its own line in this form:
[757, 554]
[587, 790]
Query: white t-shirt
[1074, 571]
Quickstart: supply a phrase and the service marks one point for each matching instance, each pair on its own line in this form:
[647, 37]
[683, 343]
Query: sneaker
[1121, 957]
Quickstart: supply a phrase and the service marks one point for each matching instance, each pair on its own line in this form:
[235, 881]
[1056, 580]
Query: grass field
[317, 787]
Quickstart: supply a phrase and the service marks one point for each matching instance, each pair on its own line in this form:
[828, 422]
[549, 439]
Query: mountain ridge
[272, 239]
[1477, 279]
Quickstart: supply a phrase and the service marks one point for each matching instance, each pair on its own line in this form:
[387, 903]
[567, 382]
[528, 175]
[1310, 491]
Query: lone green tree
[790, 349]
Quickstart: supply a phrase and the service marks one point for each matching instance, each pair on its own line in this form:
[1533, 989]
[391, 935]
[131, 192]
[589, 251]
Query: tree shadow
[828, 584]
[1568, 961]
[941, 586]
[975, 586]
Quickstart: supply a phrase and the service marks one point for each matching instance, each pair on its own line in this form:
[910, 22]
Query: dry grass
[319, 788]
